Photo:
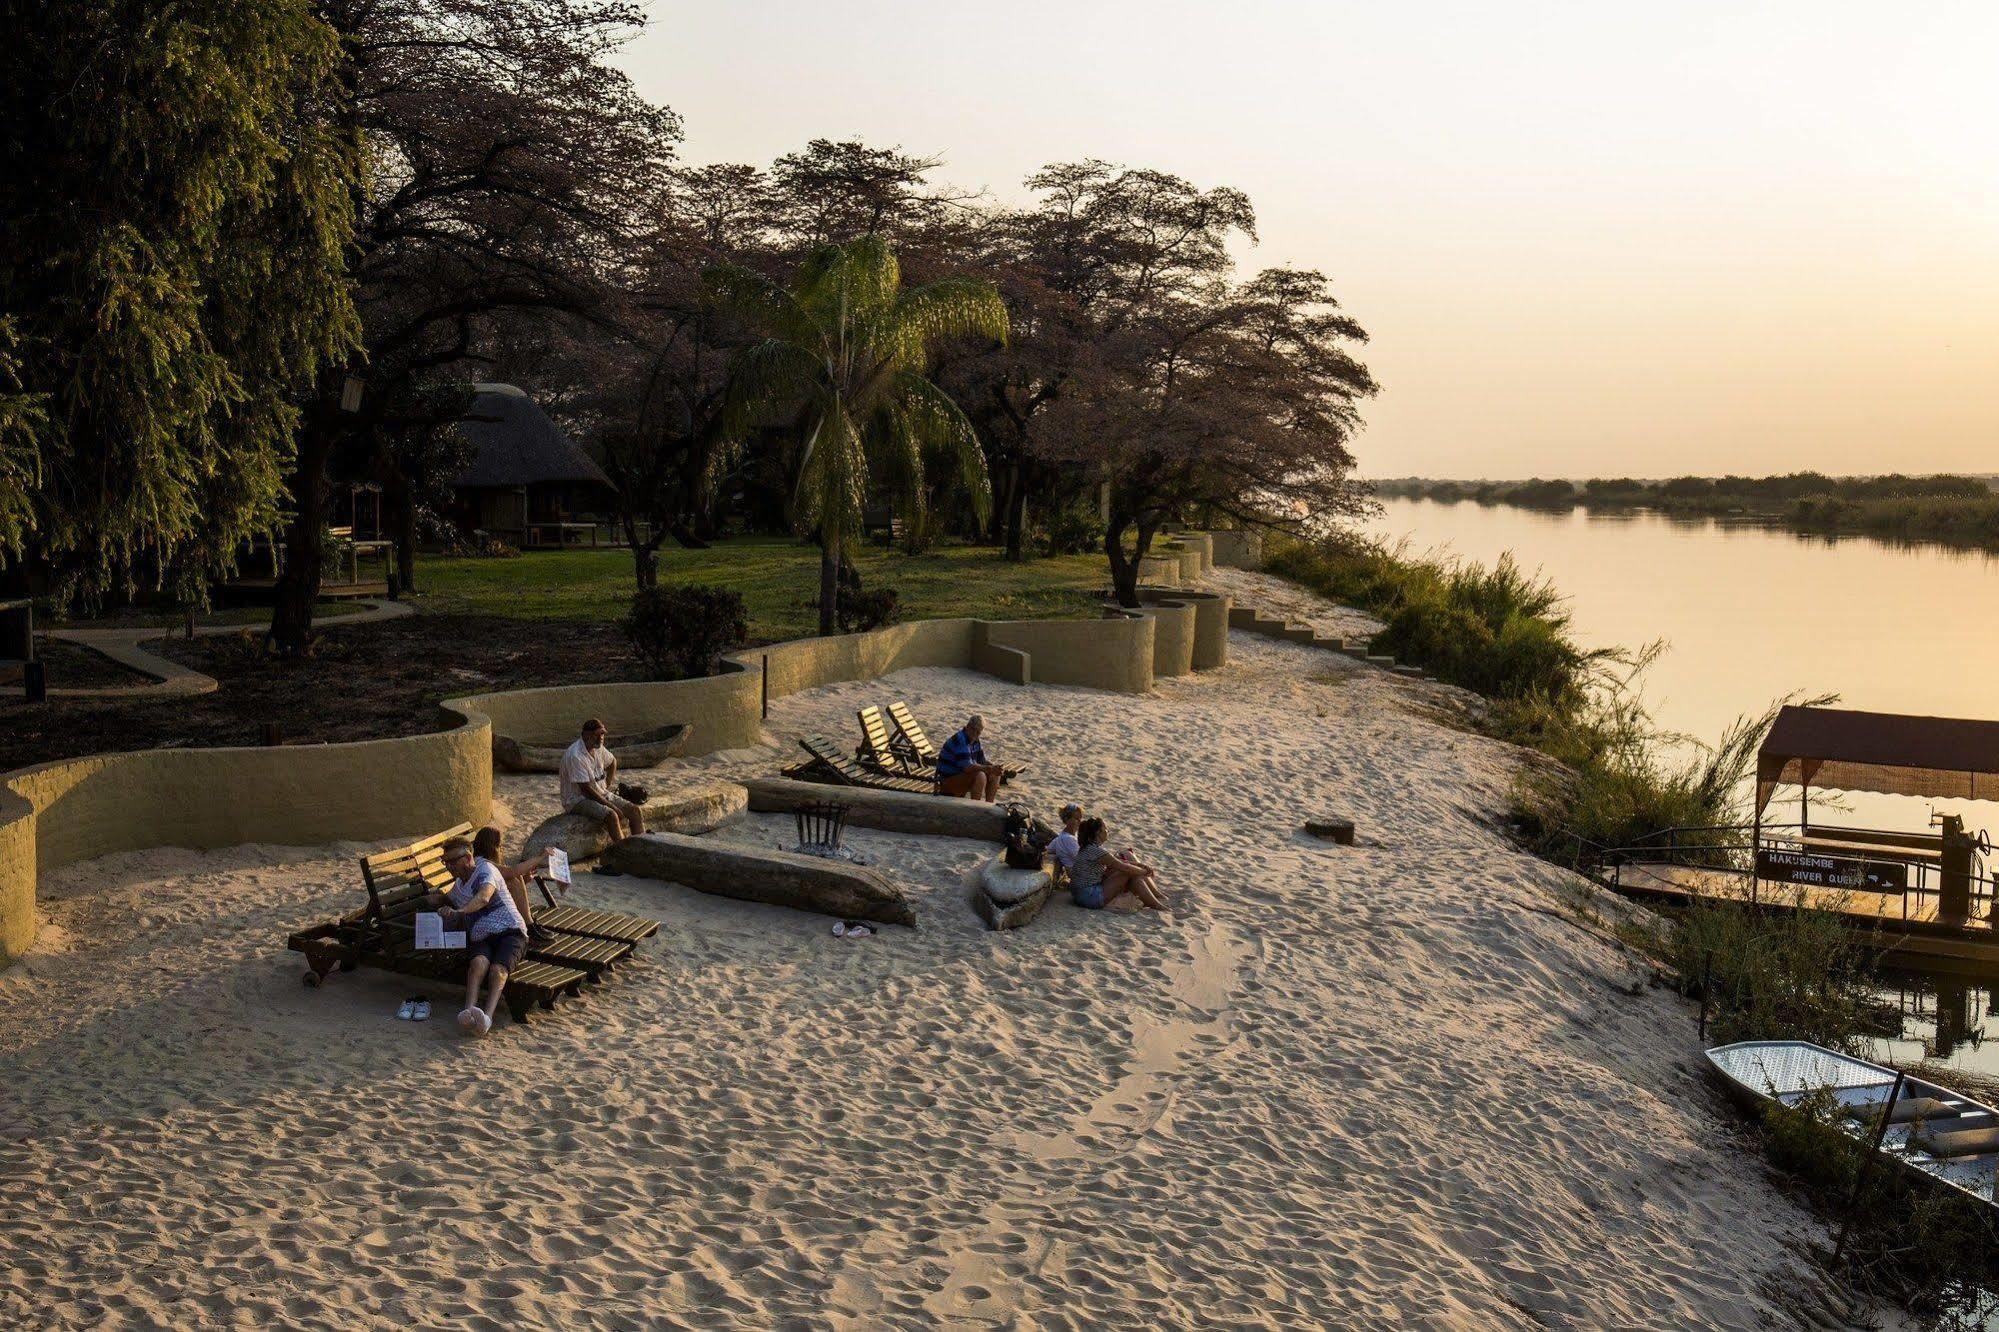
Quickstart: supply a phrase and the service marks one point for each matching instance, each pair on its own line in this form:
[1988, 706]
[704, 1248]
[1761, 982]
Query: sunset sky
[1587, 239]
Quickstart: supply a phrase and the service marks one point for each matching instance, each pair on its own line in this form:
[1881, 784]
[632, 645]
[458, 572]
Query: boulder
[643, 749]
[1008, 898]
[1007, 885]
[894, 811]
[781, 878]
[697, 811]
[584, 839]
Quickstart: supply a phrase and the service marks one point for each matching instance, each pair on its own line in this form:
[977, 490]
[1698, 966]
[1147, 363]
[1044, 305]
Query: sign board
[1822, 871]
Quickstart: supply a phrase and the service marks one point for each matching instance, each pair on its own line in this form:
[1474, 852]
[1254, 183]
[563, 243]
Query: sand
[1379, 1086]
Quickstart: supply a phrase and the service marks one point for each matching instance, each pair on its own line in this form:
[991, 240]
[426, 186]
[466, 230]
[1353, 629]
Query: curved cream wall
[55, 814]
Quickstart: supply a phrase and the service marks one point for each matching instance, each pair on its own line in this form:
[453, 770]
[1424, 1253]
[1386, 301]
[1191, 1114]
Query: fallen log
[780, 878]
[695, 812]
[643, 749]
[893, 811]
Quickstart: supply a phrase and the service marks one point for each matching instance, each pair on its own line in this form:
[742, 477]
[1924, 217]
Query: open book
[430, 932]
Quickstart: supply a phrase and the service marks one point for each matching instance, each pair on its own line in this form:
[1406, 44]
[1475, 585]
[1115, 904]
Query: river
[1750, 613]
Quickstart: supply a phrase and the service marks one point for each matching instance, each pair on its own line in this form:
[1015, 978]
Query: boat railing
[1729, 850]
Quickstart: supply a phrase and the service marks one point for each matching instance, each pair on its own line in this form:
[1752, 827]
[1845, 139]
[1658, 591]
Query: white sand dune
[1381, 1086]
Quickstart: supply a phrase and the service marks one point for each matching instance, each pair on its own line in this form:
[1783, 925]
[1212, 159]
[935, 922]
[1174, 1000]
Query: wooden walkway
[1905, 930]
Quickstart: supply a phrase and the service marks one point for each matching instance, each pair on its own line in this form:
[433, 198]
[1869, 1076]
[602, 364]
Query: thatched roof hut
[527, 482]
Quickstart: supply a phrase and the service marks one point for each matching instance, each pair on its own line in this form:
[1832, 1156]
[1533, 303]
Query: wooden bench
[382, 933]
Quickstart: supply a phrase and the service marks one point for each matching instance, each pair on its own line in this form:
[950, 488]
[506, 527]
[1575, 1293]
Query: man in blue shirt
[962, 769]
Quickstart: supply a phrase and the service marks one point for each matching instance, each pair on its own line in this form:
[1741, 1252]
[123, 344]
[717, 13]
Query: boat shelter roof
[1879, 751]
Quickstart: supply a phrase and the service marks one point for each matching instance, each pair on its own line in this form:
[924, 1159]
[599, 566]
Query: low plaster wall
[720, 711]
[1161, 570]
[1111, 654]
[55, 814]
[1237, 550]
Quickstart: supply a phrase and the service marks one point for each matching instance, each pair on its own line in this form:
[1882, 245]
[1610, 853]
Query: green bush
[1073, 529]
[678, 632]
[862, 609]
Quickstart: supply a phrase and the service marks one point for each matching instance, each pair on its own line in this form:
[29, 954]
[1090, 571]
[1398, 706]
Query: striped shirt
[499, 914]
[959, 753]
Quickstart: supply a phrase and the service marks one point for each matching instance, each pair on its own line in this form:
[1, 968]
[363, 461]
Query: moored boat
[1936, 1132]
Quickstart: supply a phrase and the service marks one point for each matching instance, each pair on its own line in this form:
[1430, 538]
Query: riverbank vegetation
[1617, 780]
[1953, 510]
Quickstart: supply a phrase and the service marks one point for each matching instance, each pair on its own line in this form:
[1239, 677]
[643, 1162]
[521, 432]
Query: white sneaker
[420, 1013]
[839, 929]
[468, 1021]
[485, 1021]
[406, 1011]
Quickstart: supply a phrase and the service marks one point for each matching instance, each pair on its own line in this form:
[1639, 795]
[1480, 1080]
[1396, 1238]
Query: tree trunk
[1124, 572]
[1016, 516]
[829, 586]
[298, 585]
[401, 529]
[645, 564]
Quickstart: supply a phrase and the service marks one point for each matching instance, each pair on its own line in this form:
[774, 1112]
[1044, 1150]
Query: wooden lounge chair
[830, 764]
[911, 740]
[383, 934]
[880, 752]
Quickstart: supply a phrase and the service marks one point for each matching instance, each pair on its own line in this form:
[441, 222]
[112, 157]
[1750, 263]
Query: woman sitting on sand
[1102, 877]
[486, 846]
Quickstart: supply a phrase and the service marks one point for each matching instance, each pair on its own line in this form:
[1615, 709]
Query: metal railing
[1729, 848]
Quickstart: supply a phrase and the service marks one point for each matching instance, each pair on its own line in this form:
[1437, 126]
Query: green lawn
[778, 579]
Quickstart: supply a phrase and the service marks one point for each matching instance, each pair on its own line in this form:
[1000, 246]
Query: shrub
[678, 632]
[1073, 529]
[862, 609]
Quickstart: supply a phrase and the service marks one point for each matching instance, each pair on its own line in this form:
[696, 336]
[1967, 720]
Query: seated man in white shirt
[588, 770]
[1064, 845]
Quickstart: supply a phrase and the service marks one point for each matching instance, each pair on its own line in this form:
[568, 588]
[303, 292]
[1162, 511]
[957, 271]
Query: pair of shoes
[852, 929]
[416, 1008]
[474, 1022]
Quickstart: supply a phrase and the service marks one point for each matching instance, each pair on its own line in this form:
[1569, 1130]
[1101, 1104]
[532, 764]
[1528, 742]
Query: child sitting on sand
[1064, 846]
[1102, 877]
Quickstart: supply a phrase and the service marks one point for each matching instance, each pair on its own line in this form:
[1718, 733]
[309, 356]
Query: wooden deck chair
[911, 740]
[382, 933]
[830, 764]
[879, 751]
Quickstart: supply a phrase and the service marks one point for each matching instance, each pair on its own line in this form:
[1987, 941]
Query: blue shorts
[503, 950]
[1090, 896]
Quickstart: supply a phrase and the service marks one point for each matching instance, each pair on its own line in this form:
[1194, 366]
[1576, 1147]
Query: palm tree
[844, 358]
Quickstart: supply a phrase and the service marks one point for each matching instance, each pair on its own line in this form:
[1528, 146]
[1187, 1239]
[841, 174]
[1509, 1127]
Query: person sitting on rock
[589, 769]
[1101, 877]
[496, 938]
[1064, 845]
[486, 846]
[962, 769]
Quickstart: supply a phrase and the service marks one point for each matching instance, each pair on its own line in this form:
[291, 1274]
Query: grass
[778, 579]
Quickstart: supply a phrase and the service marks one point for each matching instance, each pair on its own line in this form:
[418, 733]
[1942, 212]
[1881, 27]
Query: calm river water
[1750, 614]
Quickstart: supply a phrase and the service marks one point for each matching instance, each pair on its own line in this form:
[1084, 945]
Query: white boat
[1931, 1130]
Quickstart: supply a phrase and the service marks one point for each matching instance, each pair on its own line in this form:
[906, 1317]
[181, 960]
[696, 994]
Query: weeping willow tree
[844, 362]
[176, 202]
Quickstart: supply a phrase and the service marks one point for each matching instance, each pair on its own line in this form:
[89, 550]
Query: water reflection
[1947, 1018]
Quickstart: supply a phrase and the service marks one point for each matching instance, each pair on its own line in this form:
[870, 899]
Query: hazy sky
[1587, 238]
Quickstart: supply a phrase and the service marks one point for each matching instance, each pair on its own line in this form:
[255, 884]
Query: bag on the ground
[1021, 852]
[633, 792]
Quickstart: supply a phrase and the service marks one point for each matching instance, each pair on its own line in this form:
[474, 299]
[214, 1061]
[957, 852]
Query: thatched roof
[517, 445]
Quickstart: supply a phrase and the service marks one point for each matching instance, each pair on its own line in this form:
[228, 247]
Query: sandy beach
[1378, 1086]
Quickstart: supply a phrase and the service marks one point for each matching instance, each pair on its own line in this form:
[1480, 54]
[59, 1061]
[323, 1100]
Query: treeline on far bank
[1960, 510]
